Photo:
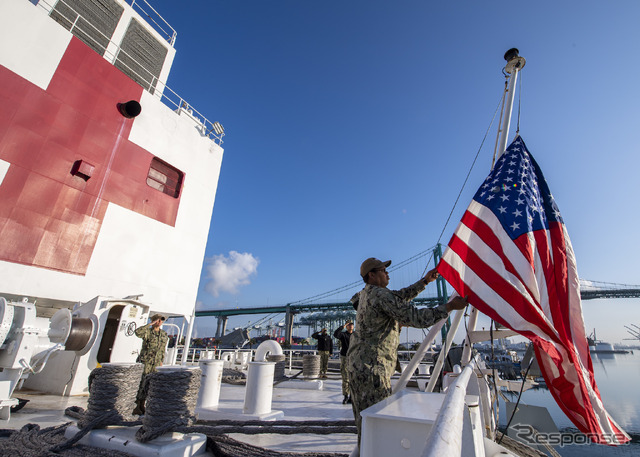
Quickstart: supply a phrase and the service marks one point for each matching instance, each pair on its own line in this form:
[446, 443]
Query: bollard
[210, 384]
[259, 391]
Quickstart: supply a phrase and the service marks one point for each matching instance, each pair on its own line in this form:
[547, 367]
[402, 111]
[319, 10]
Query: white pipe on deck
[267, 347]
[209, 395]
[259, 391]
[468, 344]
[187, 340]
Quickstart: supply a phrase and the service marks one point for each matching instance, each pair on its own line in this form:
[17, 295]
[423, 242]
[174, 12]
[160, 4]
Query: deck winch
[41, 353]
[27, 342]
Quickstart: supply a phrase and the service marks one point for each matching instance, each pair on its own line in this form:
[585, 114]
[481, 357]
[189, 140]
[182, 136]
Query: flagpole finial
[514, 61]
[511, 54]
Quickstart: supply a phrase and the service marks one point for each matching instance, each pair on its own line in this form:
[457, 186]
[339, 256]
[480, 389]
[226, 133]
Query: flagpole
[515, 63]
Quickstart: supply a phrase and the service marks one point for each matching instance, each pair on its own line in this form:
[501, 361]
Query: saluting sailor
[154, 343]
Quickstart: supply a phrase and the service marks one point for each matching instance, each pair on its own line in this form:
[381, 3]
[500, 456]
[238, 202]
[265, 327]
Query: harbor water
[617, 378]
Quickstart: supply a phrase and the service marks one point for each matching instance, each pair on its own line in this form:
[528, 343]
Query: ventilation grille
[96, 24]
[143, 56]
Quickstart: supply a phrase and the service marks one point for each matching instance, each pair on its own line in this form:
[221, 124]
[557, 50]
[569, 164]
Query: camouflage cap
[155, 317]
[371, 264]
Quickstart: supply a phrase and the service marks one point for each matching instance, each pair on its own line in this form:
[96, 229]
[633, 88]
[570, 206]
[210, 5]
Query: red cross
[48, 217]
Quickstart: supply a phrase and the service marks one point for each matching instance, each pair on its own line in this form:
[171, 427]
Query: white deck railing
[446, 434]
[194, 355]
[154, 86]
[159, 22]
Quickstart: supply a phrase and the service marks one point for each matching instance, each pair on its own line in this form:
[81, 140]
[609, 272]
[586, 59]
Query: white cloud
[228, 274]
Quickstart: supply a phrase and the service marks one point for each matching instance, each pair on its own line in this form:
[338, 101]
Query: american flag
[511, 255]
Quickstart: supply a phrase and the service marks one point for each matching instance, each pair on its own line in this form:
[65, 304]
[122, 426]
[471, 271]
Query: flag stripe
[487, 245]
[548, 271]
[486, 225]
[505, 289]
[454, 269]
[474, 286]
[511, 255]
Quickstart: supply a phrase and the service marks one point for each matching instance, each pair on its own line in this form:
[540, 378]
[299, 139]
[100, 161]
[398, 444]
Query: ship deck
[296, 404]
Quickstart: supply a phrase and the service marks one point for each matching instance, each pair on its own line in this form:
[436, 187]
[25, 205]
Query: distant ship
[602, 347]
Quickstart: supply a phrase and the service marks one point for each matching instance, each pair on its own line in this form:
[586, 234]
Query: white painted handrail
[157, 88]
[417, 357]
[445, 350]
[446, 434]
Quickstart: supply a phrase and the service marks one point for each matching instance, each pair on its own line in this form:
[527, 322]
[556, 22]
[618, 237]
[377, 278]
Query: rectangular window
[165, 178]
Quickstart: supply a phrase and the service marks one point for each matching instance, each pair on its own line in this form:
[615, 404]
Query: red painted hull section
[48, 217]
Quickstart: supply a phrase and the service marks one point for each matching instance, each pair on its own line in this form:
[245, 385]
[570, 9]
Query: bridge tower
[288, 324]
[222, 326]
[441, 284]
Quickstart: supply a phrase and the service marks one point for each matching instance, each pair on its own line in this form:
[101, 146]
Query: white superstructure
[107, 177]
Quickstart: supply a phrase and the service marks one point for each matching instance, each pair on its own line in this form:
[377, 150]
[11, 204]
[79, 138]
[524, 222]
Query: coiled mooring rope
[278, 370]
[310, 366]
[225, 446]
[171, 401]
[112, 395]
[32, 441]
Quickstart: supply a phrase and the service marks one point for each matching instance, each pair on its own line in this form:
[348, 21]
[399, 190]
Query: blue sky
[351, 126]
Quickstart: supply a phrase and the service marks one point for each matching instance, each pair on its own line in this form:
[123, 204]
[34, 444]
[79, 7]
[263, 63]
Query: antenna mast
[515, 63]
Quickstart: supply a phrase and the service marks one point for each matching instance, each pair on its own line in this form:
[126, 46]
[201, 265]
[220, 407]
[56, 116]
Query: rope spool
[278, 371]
[171, 401]
[82, 330]
[112, 394]
[310, 366]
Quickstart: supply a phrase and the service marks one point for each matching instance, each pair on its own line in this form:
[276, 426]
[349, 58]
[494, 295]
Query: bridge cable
[420, 254]
[470, 169]
[359, 283]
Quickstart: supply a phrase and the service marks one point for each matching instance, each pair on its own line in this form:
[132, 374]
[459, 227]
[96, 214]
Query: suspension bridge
[322, 308]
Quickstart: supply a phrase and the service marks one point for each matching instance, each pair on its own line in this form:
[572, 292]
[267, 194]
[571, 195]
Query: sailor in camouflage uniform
[380, 313]
[325, 349]
[344, 337]
[154, 343]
